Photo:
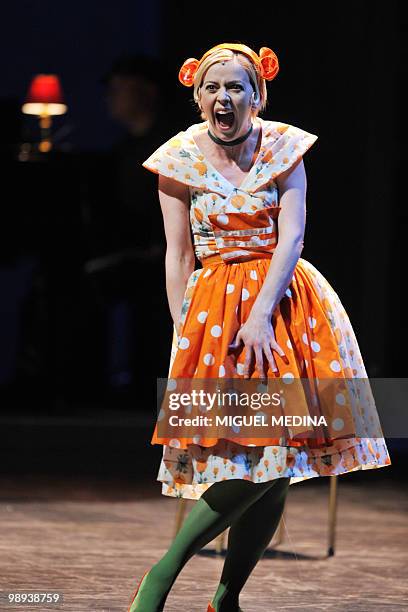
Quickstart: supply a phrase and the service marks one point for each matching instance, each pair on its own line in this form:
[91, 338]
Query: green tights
[251, 510]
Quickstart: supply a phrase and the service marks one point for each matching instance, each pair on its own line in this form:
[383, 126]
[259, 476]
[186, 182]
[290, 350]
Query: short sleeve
[176, 159]
[165, 159]
[290, 147]
[285, 145]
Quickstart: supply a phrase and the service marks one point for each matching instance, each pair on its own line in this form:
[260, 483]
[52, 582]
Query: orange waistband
[216, 259]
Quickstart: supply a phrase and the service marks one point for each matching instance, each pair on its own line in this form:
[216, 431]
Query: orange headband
[266, 62]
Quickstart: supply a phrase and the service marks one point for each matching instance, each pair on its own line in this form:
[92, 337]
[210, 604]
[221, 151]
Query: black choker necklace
[230, 143]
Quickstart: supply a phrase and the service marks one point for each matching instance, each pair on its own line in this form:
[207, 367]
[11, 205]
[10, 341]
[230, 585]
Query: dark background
[84, 335]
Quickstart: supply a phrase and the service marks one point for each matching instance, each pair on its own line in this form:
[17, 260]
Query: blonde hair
[257, 82]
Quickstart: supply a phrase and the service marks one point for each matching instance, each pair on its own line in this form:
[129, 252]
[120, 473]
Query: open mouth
[225, 120]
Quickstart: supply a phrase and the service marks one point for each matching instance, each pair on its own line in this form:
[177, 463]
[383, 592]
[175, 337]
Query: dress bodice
[220, 213]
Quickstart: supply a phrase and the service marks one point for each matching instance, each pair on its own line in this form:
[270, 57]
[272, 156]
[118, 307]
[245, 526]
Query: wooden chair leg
[220, 542]
[332, 515]
[181, 510]
[280, 532]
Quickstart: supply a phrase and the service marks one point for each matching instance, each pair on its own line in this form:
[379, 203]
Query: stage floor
[91, 539]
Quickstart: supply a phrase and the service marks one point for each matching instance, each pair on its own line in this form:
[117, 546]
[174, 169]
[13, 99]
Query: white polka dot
[174, 442]
[312, 322]
[221, 371]
[240, 368]
[184, 343]
[171, 384]
[222, 219]
[253, 275]
[188, 408]
[202, 316]
[207, 273]
[305, 339]
[230, 288]
[335, 366]
[216, 331]
[289, 344]
[245, 294]
[338, 424]
[288, 378]
[315, 346]
[196, 439]
[209, 359]
[288, 292]
[340, 399]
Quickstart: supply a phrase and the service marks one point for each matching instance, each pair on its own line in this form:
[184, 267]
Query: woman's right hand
[178, 330]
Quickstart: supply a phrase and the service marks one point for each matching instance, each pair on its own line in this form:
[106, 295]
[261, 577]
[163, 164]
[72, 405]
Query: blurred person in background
[133, 92]
[129, 275]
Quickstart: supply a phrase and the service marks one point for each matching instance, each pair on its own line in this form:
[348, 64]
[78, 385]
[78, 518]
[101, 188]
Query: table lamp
[45, 98]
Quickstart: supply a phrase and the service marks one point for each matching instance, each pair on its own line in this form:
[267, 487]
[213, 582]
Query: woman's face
[226, 99]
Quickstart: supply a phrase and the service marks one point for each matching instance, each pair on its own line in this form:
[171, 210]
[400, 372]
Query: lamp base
[45, 125]
[45, 146]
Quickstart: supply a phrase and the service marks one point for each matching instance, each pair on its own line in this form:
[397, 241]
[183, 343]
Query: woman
[254, 310]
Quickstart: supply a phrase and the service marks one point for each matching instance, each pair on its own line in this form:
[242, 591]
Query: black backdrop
[341, 77]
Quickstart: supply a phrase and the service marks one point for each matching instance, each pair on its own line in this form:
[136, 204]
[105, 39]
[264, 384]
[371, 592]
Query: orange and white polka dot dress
[235, 233]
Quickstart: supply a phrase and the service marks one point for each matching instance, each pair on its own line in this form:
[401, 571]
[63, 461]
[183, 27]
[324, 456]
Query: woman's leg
[216, 510]
[248, 539]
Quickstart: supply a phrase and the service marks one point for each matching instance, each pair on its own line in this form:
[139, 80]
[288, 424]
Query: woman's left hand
[258, 336]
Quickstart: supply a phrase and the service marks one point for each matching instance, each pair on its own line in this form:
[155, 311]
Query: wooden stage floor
[91, 538]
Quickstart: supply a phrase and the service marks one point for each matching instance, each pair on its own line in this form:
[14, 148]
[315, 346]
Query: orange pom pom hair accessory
[266, 62]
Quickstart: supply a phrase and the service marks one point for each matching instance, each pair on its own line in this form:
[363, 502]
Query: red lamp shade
[45, 96]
